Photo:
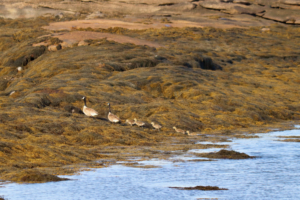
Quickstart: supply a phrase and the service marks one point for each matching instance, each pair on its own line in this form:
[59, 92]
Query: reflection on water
[274, 175]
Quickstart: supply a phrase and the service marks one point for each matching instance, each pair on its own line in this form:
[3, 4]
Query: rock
[291, 2]
[281, 15]
[59, 15]
[216, 5]
[200, 188]
[180, 6]
[77, 14]
[251, 10]
[227, 154]
[65, 45]
[95, 15]
[83, 43]
[242, 2]
[54, 47]
[265, 29]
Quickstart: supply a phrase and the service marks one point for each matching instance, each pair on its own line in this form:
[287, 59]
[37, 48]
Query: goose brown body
[111, 117]
[88, 111]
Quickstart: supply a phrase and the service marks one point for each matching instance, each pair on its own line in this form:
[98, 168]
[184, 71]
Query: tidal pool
[275, 174]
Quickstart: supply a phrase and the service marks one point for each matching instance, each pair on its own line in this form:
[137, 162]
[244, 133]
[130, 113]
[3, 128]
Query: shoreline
[208, 80]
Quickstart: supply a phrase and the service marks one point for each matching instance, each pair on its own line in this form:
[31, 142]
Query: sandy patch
[76, 36]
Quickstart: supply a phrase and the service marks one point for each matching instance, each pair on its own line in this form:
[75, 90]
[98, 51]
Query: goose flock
[115, 119]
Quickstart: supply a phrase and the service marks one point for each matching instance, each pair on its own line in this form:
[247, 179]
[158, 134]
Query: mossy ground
[217, 82]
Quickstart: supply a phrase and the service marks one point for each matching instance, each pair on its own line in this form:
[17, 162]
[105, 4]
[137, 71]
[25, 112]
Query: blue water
[275, 174]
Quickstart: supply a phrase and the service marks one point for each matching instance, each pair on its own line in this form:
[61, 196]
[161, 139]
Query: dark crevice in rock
[166, 4]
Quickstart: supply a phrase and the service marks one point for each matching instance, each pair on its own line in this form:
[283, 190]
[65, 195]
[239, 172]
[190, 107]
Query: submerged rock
[34, 176]
[226, 154]
[199, 188]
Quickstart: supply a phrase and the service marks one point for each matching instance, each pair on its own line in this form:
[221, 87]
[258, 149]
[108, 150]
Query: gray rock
[285, 16]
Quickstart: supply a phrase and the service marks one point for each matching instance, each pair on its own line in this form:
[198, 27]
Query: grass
[216, 82]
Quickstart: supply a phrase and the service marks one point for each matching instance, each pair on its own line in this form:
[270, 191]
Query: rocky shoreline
[220, 73]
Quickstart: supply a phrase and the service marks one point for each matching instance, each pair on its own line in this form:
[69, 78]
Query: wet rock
[33, 176]
[199, 188]
[226, 154]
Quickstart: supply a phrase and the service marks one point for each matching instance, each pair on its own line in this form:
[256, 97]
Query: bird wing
[113, 118]
[90, 112]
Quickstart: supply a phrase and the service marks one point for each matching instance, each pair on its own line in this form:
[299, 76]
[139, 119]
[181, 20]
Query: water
[274, 175]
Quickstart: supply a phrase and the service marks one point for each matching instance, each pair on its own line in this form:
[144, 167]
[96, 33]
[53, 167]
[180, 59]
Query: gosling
[139, 123]
[130, 122]
[193, 133]
[179, 130]
[156, 126]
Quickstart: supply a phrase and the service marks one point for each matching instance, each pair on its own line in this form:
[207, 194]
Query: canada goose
[88, 111]
[179, 130]
[139, 123]
[156, 126]
[130, 122]
[111, 117]
[193, 133]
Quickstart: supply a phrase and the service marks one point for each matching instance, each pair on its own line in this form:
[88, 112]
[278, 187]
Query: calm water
[274, 175]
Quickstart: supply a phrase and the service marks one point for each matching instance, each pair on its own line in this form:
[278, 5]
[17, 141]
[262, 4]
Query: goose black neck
[84, 101]
[109, 108]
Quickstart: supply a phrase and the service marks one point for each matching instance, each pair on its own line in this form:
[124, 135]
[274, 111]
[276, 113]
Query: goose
[130, 122]
[156, 126]
[179, 130]
[111, 117]
[88, 111]
[139, 123]
[193, 133]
